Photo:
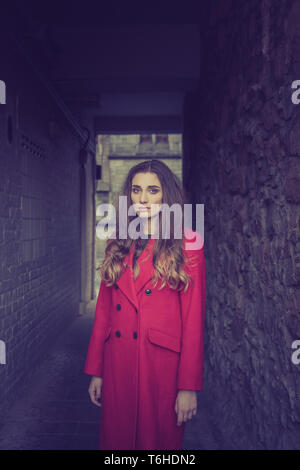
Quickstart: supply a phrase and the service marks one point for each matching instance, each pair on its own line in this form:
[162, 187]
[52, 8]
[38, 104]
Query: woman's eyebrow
[152, 186]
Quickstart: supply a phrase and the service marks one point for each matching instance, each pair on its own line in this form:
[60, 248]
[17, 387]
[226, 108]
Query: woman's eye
[152, 191]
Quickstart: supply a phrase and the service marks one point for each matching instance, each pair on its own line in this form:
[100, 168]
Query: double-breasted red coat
[147, 344]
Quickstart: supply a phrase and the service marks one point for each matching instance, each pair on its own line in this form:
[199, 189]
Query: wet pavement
[55, 412]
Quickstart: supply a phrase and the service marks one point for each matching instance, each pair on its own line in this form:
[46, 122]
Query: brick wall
[39, 223]
[244, 166]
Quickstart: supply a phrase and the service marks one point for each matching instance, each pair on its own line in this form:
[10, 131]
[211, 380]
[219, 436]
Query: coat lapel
[146, 266]
[126, 283]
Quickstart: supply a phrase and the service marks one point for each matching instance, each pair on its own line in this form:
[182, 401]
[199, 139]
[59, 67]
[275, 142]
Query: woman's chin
[143, 214]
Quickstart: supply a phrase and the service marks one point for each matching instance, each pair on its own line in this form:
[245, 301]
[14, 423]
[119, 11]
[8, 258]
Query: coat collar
[126, 282]
[131, 288]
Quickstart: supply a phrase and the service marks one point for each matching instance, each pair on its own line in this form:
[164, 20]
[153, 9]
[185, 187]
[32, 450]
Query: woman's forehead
[146, 179]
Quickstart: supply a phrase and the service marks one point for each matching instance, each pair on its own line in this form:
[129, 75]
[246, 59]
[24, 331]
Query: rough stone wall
[244, 166]
[39, 223]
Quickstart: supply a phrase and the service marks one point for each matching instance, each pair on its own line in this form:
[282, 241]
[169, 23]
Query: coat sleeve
[190, 372]
[101, 327]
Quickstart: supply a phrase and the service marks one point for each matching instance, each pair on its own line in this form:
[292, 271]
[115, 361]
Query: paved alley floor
[55, 412]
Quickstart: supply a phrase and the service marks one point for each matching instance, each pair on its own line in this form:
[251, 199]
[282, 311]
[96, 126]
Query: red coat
[146, 344]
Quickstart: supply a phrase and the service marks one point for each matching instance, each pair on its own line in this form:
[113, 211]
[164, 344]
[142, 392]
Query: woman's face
[146, 190]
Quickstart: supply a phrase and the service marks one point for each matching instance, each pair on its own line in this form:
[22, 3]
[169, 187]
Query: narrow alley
[214, 102]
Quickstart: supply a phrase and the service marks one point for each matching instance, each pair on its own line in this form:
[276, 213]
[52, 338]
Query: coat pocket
[164, 340]
[107, 333]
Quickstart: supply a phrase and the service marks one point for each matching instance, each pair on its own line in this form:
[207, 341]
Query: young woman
[146, 348]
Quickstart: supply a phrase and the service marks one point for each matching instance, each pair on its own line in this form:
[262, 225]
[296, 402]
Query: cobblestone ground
[55, 411]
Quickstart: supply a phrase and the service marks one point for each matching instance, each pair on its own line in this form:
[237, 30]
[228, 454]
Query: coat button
[118, 334]
[135, 335]
[118, 307]
[148, 291]
[136, 310]
[116, 286]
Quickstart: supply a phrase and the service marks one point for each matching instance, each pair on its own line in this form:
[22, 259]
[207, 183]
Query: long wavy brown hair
[168, 256]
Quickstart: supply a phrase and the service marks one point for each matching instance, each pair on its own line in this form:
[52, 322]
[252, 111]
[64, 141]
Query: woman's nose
[143, 198]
